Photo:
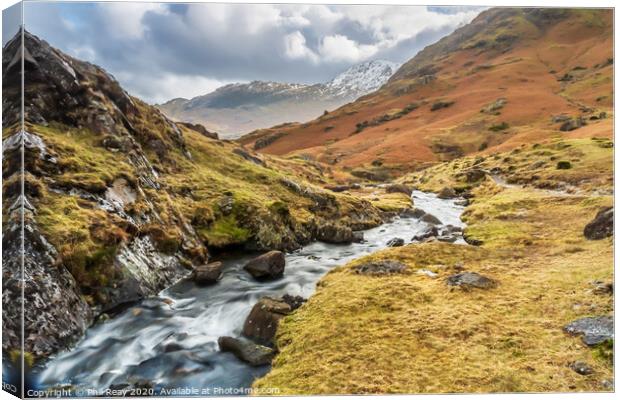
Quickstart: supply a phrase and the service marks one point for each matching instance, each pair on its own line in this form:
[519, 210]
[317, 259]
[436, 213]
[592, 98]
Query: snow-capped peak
[363, 78]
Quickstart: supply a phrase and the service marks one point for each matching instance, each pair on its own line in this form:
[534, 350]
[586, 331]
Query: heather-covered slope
[121, 202]
[416, 331]
[511, 76]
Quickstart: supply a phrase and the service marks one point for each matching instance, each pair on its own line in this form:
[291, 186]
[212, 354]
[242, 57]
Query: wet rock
[262, 322]
[208, 273]
[447, 238]
[293, 301]
[430, 232]
[358, 237]
[398, 188]
[601, 226]
[581, 368]
[468, 280]
[380, 268]
[245, 350]
[430, 219]
[395, 242]
[450, 229]
[268, 265]
[412, 213]
[594, 330]
[462, 203]
[446, 193]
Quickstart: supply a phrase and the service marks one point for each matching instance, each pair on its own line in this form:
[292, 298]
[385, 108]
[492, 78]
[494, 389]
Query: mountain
[243, 107]
[120, 202]
[511, 76]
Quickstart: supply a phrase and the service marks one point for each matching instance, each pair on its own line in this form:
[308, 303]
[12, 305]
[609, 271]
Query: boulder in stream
[267, 266]
[446, 193]
[398, 188]
[208, 273]
[429, 232]
[263, 320]
[246, 350]
[431, 219]
[395, 242]
[412, 213]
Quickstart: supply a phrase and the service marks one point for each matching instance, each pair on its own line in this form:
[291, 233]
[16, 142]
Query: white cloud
[338, 48]
[125, 19]
[295, 47]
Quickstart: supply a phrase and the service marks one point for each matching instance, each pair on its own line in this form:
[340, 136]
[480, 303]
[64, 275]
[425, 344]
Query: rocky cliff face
[119, 202]
[243, 107]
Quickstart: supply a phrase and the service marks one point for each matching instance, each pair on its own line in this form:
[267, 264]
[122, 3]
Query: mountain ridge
[238, 108]
[524, 67]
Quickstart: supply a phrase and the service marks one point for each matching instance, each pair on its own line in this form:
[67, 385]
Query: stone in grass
[594, 330]
[601, 226]
[269, 265]
[396, 242]
[386, 267]
[246, 350]
[581, 368]
[469, 280]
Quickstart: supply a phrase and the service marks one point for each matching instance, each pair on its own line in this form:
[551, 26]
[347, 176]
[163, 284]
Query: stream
[170, 340]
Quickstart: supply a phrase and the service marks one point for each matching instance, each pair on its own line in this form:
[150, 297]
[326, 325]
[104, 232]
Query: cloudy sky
[162, 51]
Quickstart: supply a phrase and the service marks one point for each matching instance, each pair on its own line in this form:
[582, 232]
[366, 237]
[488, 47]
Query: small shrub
[564, 165]
[499, 127]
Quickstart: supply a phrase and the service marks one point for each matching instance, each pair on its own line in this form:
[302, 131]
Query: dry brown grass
[408, 333]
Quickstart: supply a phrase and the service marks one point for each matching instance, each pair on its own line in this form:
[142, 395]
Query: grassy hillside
[490, 86]
[410, 333]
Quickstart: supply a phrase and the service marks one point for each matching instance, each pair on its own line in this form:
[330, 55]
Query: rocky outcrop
[246, 350]
[601, 226]
[267, 266]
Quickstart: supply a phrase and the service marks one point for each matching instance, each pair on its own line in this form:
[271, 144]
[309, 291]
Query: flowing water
[171, 340]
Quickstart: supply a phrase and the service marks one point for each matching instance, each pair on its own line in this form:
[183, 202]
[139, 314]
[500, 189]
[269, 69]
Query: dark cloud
[160, 51]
